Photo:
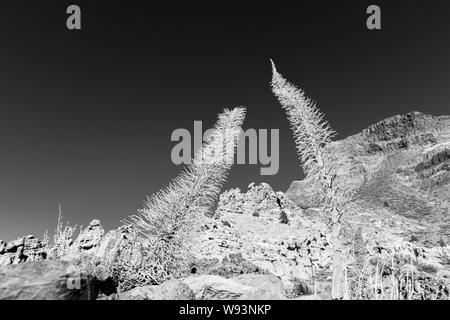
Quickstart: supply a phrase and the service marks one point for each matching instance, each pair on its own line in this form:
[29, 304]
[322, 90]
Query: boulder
[45, 280]
[265, 287]
[168, 290]
[211, 287]
[243, 287]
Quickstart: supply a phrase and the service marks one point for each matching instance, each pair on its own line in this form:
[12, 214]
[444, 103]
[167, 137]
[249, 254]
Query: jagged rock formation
[24, 249]
[268, 231]
[88, 241]
[401, 170]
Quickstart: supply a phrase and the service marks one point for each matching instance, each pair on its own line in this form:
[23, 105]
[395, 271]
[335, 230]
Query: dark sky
[86, 116]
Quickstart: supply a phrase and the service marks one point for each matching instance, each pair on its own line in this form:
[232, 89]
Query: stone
[3, 245]
[168, 290]
[265, 287]
[211, 287]
[231, 265]
[45, 280]
[243, 287]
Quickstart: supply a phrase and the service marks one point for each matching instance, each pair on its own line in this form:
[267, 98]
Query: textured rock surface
[229, 266]
[93, 242]
[168, 290]
[45, 280]
[264, 287]
[254, 230]
[88, 241]
[244, 287]
[21, 250]
[211, 287]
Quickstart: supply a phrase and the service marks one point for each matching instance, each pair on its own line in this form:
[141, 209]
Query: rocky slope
[262, 244]
[401, 170]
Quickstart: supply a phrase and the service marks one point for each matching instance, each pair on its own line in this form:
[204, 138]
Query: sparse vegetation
[62, 238]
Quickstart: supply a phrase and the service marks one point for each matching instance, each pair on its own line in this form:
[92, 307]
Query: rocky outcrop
[24, 249]
[256, 201]
[255, 231]
[46, 280]
[229, 266]
[93, 242]
[409, 126]
[87, 242]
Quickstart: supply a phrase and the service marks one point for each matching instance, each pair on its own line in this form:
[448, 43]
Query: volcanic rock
[168, 290]
[46, 280]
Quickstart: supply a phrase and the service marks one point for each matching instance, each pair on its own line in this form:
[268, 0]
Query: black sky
[86, 116]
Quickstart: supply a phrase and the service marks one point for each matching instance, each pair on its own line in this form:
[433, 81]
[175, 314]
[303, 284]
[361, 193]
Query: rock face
[264, 287]
[168, 290]
[21, 250]
[400, 166]
[210, 287]
[93, 242]
[87, 242]
[244, 287]
[45, 280]
[251, 226]
[258, 200]
[229, 266]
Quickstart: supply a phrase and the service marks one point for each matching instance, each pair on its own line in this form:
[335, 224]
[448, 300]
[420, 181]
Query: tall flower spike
[169, 216]
[311, 132]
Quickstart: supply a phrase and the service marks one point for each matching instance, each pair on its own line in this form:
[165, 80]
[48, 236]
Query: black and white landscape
[357, 208]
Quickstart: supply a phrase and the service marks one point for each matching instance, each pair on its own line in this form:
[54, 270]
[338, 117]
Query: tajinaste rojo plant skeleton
[166, 223]
[312, 134]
